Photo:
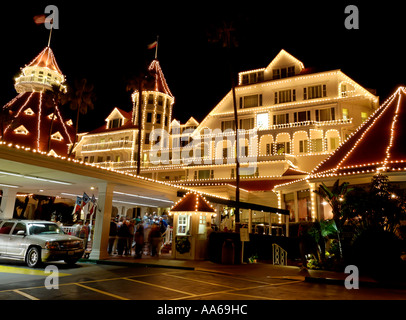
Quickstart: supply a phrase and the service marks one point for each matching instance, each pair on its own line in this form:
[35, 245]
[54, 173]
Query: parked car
[35, 241]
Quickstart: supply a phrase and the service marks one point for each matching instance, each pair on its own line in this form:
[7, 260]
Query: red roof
[37, 124]
[192, 202]
[160, 84]
[46, 59]
[379, 142]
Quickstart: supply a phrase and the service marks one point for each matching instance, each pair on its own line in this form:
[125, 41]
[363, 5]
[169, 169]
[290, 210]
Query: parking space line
[205, 282]
[25, 294]
[161, 287]
[100, 291]
[230, 276]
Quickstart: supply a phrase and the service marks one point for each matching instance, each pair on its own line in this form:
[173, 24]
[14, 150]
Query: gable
[282, 61]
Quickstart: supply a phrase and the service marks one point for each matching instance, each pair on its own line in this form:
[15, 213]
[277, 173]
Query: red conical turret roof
[160, 81]
[45, 59]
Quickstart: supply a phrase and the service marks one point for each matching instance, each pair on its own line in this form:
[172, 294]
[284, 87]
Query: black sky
[106, 42]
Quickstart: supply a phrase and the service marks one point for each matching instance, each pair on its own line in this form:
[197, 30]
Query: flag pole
[156, 48]
[50, 32]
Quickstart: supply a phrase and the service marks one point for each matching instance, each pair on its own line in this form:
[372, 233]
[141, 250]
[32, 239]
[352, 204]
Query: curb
[134, 264]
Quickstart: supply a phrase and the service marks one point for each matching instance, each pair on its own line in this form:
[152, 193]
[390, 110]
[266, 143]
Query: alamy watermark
[211, 147]
[352, 20]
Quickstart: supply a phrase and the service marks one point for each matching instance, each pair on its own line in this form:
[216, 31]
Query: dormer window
[21, 130]
[57, 136]
[29, 112]
[283, 72]
[115, 123]
[252, 77]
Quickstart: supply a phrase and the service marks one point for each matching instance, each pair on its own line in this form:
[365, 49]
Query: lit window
[262, 120]
[21, 130]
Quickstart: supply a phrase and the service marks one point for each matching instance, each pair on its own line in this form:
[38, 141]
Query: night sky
[106, 42]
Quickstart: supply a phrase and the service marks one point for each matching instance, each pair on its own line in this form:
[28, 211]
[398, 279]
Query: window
[291, 71]
[6, 227]
[202, 224]
[204, 174]
[334, 142]
[262, 120]
[150, 99]
[303, 146]
[158, 118]
[115, 123]
[18, 227]
[345, 114]
[253, 77]
[160, 101]
[276, 74]
[285, 96]
[118, 158]
[283, 147]
[325, 114]
[251, 101]
[247, 124]
[364, 116]
[183, 224]
[227, 125]
[232, 176]
[301, 116]
[316, 145]
[281, 118]
[283, 72]
[149, 117]
[315, 92]
[99, 159]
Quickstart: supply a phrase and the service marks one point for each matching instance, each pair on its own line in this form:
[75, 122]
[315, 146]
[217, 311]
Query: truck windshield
[44, 228]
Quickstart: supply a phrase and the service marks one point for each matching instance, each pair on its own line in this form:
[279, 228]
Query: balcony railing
[110, 145]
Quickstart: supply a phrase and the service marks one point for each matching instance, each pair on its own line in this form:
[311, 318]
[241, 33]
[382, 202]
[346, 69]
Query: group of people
[82, 230]
[126, 234]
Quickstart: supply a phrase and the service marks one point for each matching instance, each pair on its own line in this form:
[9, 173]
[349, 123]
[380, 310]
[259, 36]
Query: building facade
[290, 119]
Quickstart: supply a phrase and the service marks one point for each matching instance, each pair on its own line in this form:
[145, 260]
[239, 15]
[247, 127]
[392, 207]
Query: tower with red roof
[31, 113]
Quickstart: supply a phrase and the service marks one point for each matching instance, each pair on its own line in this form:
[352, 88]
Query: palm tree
[225, 35]
[335, 198]
[81, 98]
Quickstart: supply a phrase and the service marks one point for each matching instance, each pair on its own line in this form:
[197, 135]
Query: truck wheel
[33, 257]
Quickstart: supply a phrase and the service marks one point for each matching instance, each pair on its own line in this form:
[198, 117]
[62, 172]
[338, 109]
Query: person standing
[139, 240]
[112, 235]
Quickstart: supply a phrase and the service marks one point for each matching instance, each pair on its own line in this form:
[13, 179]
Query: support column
[249, 221]
[102, 223]
[8, 201]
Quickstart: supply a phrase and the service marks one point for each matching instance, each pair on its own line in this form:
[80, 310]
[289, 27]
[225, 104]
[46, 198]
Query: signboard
[244, 235]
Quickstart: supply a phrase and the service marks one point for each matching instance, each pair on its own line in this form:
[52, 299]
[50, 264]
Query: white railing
[280, 256]
[69, 230]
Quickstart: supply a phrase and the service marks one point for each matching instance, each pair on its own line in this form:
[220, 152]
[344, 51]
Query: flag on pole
[86, 199]
[153, 45]
[42, 18]
[92, 205]
[78, 205]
